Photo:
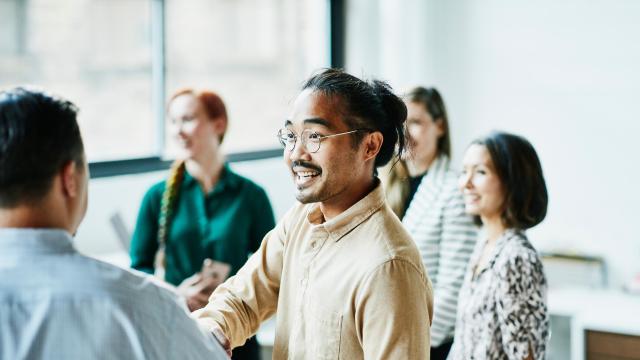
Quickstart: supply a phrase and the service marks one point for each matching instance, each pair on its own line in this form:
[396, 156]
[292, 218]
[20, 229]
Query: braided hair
[167, 206]
[214, 107]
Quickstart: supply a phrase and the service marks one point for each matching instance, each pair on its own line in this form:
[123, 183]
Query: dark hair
[38, 135]
[432, 101]
[518, 167]
[365, 105]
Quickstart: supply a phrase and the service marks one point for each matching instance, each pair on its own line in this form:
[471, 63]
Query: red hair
[211, 103]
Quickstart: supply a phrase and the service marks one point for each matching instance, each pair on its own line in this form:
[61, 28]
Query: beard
[323, 187]
[331, 181]
[308, 197]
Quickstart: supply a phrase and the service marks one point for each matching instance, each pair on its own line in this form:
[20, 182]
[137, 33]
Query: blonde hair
[395, 179]
[167, 207]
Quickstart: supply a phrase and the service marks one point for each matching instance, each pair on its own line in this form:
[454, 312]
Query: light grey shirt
[58, 304]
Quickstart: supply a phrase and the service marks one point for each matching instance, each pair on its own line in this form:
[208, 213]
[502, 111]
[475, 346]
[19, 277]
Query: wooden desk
[603, 324]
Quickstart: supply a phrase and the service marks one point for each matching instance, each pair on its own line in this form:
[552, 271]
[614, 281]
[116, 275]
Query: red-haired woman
[204, 213]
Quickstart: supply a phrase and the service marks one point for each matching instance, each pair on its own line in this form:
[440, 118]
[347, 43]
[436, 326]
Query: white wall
[565, 74]
[124, 194]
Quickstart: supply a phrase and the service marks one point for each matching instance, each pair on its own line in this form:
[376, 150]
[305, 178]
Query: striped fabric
[445, 236]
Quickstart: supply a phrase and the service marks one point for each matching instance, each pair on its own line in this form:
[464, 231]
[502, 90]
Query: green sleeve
[263, 219]
[144, 243]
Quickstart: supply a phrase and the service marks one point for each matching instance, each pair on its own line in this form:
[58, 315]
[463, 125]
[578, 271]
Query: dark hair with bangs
[366, 105]
[518, 167]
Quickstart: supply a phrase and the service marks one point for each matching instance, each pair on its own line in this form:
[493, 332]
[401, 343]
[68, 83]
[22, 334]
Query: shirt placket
[313, 245]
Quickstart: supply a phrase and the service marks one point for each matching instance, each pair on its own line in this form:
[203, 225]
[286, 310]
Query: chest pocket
[324, 335]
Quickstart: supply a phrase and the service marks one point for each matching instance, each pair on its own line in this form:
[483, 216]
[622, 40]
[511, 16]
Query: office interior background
[565, 74]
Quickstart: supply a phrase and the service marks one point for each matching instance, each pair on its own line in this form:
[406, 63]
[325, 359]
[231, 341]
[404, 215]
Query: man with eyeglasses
[346, 279]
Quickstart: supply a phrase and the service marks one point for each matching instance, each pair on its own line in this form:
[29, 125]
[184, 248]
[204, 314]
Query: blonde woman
[422, 190]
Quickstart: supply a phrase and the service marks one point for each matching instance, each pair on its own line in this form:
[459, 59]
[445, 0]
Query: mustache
[305, 165]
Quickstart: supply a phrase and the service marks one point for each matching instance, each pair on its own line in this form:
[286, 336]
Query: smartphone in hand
[215, 270]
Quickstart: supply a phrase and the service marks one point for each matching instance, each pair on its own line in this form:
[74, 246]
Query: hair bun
[393, 106]
[396, 113]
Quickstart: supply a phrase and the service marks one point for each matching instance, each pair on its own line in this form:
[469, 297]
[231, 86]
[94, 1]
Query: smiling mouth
[471, 198]
[304, 178]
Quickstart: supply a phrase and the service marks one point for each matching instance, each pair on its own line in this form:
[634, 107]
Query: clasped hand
[198, 288]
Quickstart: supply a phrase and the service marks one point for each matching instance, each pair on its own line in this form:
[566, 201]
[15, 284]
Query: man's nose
[299, 151]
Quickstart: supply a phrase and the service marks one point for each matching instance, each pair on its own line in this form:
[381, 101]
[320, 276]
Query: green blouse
[226, 225]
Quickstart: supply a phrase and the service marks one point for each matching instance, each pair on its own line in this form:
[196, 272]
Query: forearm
[241, 303]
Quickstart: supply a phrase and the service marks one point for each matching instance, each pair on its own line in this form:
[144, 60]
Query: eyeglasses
[310, 139]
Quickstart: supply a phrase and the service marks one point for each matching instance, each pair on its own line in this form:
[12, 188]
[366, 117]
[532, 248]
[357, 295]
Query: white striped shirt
[445, 236]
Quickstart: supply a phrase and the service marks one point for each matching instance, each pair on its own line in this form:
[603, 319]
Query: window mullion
[158, 65]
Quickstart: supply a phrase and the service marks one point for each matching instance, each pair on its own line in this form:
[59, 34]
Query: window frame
[128, 166]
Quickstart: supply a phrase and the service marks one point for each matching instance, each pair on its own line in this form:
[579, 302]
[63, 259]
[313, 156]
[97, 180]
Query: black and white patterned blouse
[503, 310]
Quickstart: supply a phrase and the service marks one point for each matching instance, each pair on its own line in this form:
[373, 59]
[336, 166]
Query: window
[97, 53]
[118, 60]
[255, 54]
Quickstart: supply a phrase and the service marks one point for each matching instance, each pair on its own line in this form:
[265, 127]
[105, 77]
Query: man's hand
[222, 338]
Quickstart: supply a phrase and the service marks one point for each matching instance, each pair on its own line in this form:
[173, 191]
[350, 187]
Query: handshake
[198, 288]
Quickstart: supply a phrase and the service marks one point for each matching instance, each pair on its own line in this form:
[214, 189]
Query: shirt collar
[228, 180]
[19, 241]
[502, 241]
[350, 218]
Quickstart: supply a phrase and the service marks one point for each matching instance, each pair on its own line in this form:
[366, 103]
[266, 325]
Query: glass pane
[255, 54]
[96, 53]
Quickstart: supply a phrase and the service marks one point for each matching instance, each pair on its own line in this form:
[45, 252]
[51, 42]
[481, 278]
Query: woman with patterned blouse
[502, 309]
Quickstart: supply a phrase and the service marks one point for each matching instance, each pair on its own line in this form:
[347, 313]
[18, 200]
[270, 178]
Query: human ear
[372, 145]
[69, 179]
[220, 125]
[439, 122]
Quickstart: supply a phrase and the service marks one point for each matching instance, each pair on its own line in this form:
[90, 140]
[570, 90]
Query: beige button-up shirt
[353, 287]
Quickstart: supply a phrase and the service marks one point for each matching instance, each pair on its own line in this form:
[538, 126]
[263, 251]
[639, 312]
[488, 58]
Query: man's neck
[343, 201]
[30, 217]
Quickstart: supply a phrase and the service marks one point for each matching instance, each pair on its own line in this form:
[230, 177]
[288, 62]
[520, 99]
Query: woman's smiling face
[480, 184]
[194, 132]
